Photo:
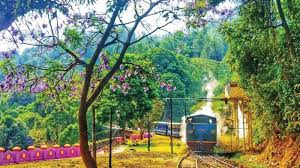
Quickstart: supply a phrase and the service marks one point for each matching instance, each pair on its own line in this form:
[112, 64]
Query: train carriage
[201, 132]
[161, 128]
[164, 128]
[175, 129]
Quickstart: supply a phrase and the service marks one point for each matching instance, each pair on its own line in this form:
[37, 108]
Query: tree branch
[116, 66]
[77, 59]
[100, 46]
[150, 33]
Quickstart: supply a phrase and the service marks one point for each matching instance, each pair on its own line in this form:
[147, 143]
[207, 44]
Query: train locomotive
[201, 132]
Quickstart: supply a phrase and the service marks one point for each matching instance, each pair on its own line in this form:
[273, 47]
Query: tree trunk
[286, 29]
[84, 147]
[86, 101]
[94, 133]
[141, 134]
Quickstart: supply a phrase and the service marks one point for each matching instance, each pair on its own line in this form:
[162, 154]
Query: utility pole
[110, 137]
[185, 109]
[149, 136]
[94, 131]
[171, 129]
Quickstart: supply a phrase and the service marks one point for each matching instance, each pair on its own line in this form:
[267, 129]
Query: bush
[70, 135]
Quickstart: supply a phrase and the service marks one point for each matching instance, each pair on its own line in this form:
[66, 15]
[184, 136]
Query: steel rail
[196, 162]
[217, 158]
[181, 160]
[206, 162]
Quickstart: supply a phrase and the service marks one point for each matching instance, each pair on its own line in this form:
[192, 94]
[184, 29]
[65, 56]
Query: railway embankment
[282, 152]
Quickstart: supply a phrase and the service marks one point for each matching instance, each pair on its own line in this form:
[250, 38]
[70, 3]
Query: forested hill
[205, 42]
[184, 58]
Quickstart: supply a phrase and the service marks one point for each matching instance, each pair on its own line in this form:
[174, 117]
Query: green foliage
[221, 108]
[266, 58]
[73, 36]
[13, 133]
[132, 107]
[198, 106]
[69, 135]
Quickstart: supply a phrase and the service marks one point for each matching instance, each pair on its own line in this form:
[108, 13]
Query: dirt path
[116, 149]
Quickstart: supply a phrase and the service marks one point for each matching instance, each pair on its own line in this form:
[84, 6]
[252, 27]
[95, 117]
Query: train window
[203, 120]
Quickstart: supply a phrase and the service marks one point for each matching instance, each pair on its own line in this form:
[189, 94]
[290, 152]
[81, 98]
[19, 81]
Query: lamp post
[185, 108]
[149, 136]
[171, 129]
[110, 138]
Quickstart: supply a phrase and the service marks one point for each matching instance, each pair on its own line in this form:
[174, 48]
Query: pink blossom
[113, 88]
[122, 78]
[169, 87]
[162, 84]
[39, 87]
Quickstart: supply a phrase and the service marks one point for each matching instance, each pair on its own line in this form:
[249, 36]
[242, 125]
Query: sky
[100, 7]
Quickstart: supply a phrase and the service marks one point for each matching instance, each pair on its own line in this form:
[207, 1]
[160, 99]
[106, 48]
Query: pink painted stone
[73, 152]
[118, 139]
[78, 152]
[22, 156]
[37, 154]
[78, 149]
[61, 153]
[134, 137]
[1, 158]
[146, 135]
[8, 158]
[49, 154]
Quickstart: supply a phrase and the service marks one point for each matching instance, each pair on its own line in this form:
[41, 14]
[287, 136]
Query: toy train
[164, 128]
[201, 131]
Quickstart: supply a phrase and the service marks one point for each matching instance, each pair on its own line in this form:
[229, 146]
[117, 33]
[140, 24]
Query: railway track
[204, 160]
[187, 161]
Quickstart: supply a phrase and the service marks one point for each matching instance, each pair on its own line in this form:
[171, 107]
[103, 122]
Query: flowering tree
[135, 89]
[202, 12]
[13, 9]
[67, 45]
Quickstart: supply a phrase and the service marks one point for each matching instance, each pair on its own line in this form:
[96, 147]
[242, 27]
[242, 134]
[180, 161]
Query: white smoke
[206, 109]
[183, 129]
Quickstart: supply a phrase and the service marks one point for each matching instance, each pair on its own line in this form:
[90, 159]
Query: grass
[158, 144]
[248, 161]
[158, 157]
[143, 160]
